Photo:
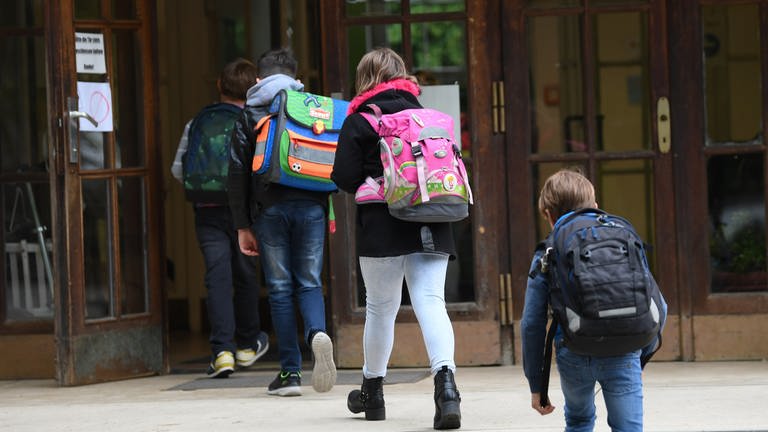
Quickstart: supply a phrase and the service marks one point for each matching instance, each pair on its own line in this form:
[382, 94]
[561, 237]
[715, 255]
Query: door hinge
[498, 107]
[506, 304]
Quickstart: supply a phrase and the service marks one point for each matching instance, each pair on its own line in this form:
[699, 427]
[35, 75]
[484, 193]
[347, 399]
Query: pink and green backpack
[424, 179]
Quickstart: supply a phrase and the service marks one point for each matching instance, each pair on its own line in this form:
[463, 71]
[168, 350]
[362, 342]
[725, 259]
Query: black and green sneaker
[286, 384]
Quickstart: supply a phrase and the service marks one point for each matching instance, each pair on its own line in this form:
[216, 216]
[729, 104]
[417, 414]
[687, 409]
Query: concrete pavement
[721, 396]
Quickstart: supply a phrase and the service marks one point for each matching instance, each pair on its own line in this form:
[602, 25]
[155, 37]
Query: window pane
[21, 13]
[547, 4]
[23, 106]
[133, 246]
[97, 249]
[556, 84]
[88, 9]
[357, 8]
[27, 250]
[435, 6]
[439, 58]
[128, 102]
[623, 88]
[625, 188]
[594, 3]
[364, 38]
[736, 193]
[731, 43]
[124, 9]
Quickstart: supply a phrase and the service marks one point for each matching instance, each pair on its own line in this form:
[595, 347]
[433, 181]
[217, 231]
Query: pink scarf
[395, 84]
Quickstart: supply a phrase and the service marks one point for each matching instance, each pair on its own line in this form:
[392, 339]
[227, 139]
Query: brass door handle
[663, 125]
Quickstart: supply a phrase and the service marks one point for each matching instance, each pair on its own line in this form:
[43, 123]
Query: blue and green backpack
[206, 161]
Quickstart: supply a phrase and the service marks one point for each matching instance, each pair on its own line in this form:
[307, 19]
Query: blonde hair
[378, 66]
[565, 191]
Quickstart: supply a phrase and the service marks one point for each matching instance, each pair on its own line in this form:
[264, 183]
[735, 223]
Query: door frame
[116, 347]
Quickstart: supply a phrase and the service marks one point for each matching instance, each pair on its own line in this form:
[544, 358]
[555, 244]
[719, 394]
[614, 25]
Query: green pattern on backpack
[206, 161]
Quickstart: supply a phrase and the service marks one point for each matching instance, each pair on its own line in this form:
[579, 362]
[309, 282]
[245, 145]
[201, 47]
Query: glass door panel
[735, 163]
[26, 272]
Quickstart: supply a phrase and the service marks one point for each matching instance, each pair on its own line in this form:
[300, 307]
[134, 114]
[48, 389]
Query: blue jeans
[291, 236]
[620, 379]
[234, 317]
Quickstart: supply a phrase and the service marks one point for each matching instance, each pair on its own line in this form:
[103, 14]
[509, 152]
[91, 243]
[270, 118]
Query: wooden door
[590, 84]
[719, 75]
[102, 84]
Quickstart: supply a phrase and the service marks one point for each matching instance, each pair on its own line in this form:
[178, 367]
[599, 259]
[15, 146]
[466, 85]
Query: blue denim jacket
[534, 324]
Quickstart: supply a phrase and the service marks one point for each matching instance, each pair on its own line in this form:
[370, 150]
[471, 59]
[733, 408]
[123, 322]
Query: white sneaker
[324, 371]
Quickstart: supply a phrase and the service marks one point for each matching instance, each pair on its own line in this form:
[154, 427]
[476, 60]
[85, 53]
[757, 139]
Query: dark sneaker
[324, 371]
[286, 384]
[222, 365]
[247, 357]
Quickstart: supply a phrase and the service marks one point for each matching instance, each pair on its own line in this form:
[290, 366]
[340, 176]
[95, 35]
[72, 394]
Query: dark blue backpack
[206, 161]
[602, 292]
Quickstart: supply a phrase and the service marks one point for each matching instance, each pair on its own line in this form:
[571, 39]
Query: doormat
[248, 379]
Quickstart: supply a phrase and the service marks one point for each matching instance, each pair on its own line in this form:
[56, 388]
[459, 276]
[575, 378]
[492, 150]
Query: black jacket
[357, 156]
[248, 195]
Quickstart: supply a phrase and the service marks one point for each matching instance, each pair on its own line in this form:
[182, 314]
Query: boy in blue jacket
[620, 377]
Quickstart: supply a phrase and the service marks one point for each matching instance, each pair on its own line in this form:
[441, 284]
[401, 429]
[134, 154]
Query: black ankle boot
[370, 398]
[447, 400]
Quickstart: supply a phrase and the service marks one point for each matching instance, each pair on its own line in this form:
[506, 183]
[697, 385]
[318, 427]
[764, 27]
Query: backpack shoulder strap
[373, 119]
[546, 363]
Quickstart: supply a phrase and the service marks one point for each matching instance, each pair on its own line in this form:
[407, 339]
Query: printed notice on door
[96, 100]
[89, 53]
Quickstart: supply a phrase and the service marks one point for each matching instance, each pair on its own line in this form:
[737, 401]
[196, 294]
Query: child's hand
[248, 244]
[536, 404]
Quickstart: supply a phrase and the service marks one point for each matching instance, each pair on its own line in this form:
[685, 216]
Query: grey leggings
[425, 275]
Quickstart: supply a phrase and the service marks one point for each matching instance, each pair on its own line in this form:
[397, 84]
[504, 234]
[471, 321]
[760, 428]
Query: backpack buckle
[416, 150]
[544, 260]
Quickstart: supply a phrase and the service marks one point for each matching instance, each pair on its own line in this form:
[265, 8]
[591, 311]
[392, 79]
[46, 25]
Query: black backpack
[602, 292]
[206, 161]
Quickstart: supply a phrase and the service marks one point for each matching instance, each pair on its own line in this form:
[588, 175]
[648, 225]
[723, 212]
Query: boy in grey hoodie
[286, 227]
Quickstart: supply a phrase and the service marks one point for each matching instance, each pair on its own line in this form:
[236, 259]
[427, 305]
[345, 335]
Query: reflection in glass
[127, 99]
[625, 188]
[440, 48]
[93, 152]
[731, 44]
[736, 194]
[88, 9]
[622, 79]
[23, 116]
[359, 8]
[364, 38]
[133, 246]
[124, 9]
[26, 238]
[436, 6]
[549, 4]
[97, 249]
[21, 13]
[554, 46]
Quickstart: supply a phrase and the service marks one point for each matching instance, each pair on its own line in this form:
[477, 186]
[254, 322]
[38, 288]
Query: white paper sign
[96, 100]
[89, 53]
[444, 98]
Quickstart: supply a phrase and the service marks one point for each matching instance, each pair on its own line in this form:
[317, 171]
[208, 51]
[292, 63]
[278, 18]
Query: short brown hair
[378, 66]
[565, 191]
[237, 77]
